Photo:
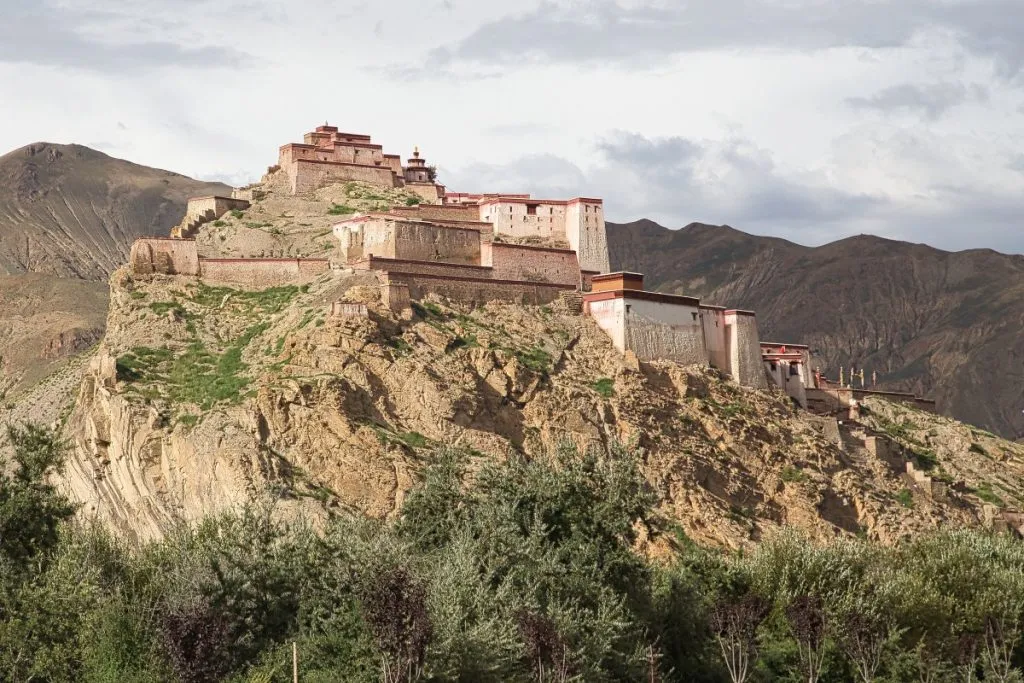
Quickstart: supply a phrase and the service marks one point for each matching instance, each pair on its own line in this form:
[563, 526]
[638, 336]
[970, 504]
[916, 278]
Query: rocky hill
[947, 325]
[200, 398]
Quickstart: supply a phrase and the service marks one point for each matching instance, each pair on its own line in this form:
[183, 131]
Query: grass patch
[413, 201]
[196, 375]
[925, 458]
[604, 386]
[978, 448]
[236, 214]
[427, 309]
[413, 439]
[793, 475]
[340, 210]
[138, 295]
[256, 303]
[906, 498]
[163, 307]
[219, 223]
[466, 341]
[535, 358]
[190, 420]
[987, 494]
[399, 345]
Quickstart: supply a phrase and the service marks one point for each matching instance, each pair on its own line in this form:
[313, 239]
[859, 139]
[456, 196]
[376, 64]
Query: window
[551, 209]
[531, 209]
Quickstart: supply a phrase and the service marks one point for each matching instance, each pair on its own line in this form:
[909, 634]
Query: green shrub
[604, 386]
[985, 492]
[413, 201]
[906, 498]
[978, 448]
[793, 475]
[219, 223]
[341, 209]
[237, 214]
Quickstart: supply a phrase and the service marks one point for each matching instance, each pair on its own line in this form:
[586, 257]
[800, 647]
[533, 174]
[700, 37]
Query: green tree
[31, 508]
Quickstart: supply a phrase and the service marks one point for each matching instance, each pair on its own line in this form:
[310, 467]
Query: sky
[811, 120]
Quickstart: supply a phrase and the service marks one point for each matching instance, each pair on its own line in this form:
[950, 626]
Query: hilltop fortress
[421, 240]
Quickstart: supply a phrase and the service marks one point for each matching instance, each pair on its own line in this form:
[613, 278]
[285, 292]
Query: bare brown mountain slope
[68, 217]
[946, 324]
[71, 211]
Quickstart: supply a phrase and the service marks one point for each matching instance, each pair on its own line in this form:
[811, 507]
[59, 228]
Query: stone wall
[659, 330]
[431, 192]
[534, 264]
[713, 324]
[744, 349]
[408, 240]
[911, 400]
[165, 256]
[651, 329]
[424, 267]
[438, 212]
[610, 316]
[202, 210]
[307, 175]
[426, 242]
[260, 273]
[476, 291]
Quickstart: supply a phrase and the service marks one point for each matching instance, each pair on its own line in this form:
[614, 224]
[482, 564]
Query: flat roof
[624, 274]
[505, 199]
[642, 295]
[788, 346]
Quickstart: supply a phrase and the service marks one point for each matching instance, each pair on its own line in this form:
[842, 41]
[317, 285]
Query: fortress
[474, 248]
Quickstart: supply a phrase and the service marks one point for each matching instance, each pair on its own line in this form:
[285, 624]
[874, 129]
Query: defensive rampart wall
[260, 273]
[476, 291]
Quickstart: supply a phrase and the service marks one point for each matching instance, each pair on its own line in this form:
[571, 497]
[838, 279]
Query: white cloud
[737, 111]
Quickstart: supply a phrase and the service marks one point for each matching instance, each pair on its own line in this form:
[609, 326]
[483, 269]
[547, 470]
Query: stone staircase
[189, 227]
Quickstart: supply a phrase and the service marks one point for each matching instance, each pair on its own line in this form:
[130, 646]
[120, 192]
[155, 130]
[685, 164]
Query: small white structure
[657, 326]
[788, 366]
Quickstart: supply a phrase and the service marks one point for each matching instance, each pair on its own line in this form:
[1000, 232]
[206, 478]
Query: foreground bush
[525, 570]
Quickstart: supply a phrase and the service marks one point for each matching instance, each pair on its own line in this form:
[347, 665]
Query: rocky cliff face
[946, 325]
[201, 398]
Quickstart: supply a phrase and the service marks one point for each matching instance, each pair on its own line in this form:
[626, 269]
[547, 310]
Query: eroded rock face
[344, 413]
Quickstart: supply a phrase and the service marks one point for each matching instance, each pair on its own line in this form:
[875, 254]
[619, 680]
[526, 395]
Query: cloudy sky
[807, 119]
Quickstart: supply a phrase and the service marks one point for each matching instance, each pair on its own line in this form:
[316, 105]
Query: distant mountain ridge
[68, 217]
[946, 324]
[72, 211]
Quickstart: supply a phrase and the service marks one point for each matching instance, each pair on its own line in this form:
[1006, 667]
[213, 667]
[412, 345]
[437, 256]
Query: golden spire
[416, 152]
